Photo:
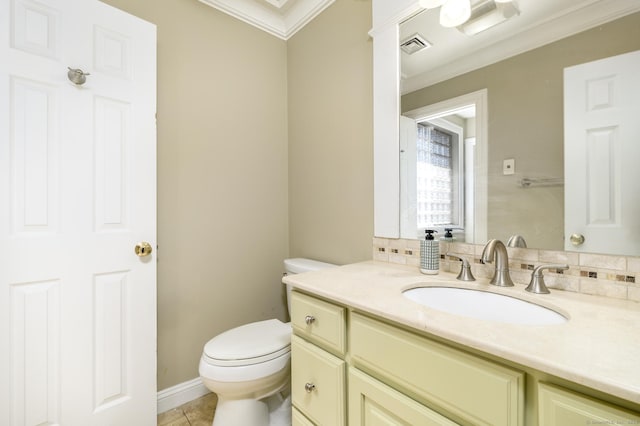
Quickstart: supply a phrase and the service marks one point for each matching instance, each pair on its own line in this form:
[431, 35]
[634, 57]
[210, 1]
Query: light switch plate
[509, 166]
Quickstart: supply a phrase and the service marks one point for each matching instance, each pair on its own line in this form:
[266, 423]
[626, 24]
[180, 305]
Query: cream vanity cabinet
[465, 388]
[558, 407]
[351, 369]
[390, 376]
[318, 369]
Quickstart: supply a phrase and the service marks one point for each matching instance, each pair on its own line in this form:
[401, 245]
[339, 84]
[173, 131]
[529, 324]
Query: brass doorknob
[143, 249]
[576, 239]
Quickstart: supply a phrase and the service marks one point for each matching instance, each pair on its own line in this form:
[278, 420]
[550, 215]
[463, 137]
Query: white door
[408, 178]
[602, 155]
[77, 192]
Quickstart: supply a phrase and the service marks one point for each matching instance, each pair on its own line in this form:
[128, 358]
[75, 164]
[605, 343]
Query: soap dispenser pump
[448, 235]
[429, 254]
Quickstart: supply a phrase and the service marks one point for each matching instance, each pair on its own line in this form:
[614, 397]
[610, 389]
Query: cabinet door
[298, 419]
[560, 407]
[372, 403]
[471, 389]
[317, 383]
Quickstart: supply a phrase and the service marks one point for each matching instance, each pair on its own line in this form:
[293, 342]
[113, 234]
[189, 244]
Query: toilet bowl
[248, 367]
[244, 366]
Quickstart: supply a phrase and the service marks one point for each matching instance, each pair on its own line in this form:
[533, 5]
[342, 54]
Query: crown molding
[281, 18]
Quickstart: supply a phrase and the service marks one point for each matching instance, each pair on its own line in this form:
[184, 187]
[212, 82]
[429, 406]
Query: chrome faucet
[496, 249]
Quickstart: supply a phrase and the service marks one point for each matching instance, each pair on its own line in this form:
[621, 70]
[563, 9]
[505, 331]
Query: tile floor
[198, 412]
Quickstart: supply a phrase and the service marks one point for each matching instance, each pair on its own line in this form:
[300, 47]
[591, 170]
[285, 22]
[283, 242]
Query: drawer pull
[309, 319]
[309, 387]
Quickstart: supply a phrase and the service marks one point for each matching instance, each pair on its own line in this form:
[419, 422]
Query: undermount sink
[484, 305]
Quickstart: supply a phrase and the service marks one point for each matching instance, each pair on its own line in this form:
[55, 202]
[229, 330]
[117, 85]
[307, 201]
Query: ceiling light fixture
[455, 12]
[452, 12]
[431, 4]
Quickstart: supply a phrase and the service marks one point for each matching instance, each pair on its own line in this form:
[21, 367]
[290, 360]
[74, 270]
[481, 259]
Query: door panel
[35, 330]
[77, 192]
[34, 163]
[601, 152]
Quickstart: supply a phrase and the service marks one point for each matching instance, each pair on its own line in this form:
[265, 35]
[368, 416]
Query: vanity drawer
[317, 383]
[374, 403]
[320, 322]
[471, 389]
[559, 407]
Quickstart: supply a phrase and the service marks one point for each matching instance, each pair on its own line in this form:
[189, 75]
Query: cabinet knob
[309, 387]
[309, 319]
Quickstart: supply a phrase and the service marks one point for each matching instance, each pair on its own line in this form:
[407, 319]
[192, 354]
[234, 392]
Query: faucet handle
[537, 284]
[465, 271]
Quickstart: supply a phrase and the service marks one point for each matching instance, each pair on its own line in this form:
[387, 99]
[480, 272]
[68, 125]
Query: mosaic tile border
[603, 275]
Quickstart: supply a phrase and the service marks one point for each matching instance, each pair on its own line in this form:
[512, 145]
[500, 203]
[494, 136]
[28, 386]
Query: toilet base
[272, 411]
[241, 412]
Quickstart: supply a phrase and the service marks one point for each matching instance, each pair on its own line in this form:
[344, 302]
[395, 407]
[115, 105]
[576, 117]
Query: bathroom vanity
[362, 353]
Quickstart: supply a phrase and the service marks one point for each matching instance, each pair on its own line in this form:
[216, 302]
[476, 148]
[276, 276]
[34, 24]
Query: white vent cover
[414, 43]
[486, 14]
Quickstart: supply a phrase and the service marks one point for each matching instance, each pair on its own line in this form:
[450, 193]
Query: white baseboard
[181, 393]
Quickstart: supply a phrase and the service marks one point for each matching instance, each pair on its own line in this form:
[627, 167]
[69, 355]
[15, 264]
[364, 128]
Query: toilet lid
[251, 343]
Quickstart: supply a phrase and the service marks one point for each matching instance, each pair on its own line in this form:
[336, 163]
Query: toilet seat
[244, 373]
[249, 344]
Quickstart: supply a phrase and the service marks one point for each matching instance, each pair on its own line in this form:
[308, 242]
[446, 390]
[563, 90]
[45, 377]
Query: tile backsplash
[603, 275]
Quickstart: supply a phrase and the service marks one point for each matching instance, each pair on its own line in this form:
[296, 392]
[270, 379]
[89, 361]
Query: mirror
[524, 174]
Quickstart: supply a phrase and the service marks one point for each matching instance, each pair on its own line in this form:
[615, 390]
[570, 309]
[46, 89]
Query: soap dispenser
[429, 254]
[448, 235]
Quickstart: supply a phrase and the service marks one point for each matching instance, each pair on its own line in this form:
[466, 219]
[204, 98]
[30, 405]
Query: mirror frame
[387, 17]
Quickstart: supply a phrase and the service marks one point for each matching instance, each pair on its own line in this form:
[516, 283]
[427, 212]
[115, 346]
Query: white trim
[386, 133]
[389, 13]
[181, 393]
[392, 22]
[408, 178]
[280, 21]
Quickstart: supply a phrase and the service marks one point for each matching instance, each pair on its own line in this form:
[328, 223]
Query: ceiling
[281, 18]
[540, 22]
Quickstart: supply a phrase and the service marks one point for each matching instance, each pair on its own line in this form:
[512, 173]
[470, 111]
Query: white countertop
[598, 347]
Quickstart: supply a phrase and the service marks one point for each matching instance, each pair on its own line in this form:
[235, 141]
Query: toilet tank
[300, 265]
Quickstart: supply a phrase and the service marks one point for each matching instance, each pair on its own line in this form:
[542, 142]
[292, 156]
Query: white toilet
[248, 367]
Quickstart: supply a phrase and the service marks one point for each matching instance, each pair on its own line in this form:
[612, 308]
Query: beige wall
[331, 135]
[224, 170]
[526, 123]
[222, 177]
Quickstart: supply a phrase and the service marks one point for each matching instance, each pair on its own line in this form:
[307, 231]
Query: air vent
[414, 44]
[486, 14]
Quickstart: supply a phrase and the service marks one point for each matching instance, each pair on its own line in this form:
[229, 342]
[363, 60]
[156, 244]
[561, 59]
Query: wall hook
[77, 76]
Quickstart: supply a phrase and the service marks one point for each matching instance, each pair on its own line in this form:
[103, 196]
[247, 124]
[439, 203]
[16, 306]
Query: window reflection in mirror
[443, 158]
[438, 151]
